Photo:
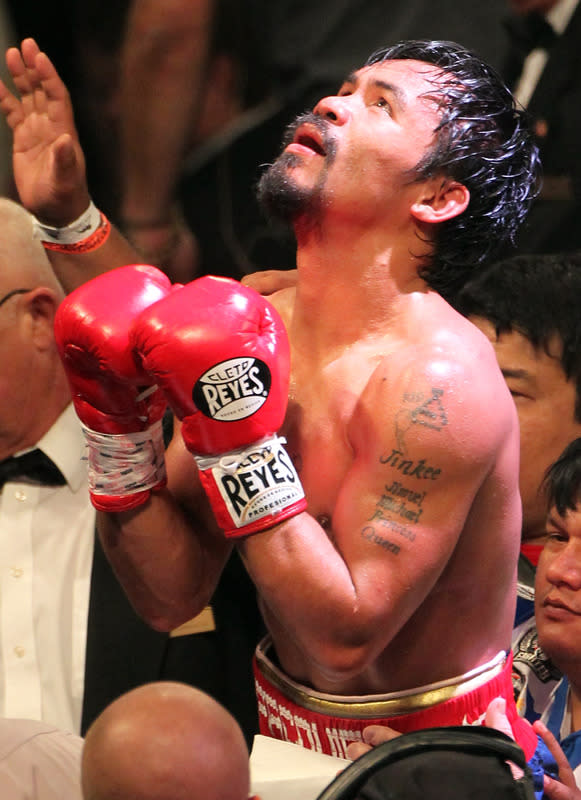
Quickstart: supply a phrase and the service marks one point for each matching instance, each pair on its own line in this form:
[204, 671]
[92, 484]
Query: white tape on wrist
[126, 463]
[77, 231]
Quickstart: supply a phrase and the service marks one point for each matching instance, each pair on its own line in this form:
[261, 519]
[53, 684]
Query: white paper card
[284, 771]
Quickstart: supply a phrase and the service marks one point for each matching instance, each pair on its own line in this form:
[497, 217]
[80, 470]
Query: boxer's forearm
[73, 269]
[314, 594]
[168, 574]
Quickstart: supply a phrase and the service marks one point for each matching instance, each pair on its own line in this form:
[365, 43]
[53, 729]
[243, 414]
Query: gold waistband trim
[203, 623]
[391, 704]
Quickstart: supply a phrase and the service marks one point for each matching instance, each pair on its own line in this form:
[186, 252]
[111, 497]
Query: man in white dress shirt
[39, 761]
[46, 531]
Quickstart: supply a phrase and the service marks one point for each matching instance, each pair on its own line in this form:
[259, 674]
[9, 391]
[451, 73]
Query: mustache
[321, 125]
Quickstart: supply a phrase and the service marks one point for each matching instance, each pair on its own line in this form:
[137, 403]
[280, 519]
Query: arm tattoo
[399, 508]
[432, 412]
[429, 412]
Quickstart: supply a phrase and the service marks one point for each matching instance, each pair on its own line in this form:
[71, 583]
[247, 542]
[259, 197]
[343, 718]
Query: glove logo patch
[233, 389]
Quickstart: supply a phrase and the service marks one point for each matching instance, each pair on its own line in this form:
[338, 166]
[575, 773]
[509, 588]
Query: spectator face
[545, 403]
[558, 590]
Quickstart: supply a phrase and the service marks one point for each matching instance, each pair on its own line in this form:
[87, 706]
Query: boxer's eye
[381, 102]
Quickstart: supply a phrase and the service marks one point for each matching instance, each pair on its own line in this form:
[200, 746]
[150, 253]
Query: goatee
[278, 193]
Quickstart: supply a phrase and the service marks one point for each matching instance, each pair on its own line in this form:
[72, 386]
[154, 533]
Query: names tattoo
[399, 507]
[371, 535]
[402, 502]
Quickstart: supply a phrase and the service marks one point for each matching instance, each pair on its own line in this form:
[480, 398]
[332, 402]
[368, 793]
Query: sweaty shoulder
[441, 390]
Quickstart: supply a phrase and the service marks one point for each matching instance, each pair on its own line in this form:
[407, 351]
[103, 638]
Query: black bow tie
[35, 465]
[530, 31]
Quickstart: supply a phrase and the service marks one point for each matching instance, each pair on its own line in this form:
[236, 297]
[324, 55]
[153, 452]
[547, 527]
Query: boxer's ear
[439, 200]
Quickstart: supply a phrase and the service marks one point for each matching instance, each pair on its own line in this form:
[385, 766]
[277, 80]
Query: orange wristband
[88, 232]
[92, 242]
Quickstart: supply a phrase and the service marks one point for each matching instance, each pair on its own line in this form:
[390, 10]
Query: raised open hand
[48, 161]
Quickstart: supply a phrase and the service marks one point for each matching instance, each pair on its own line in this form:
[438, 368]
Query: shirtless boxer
[391, 596]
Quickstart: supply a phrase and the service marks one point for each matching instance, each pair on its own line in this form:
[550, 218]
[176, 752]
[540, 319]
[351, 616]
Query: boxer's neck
[346, 292]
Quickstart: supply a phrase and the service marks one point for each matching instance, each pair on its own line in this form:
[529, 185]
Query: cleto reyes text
[222, 394]
[260, 476]
[233, 390]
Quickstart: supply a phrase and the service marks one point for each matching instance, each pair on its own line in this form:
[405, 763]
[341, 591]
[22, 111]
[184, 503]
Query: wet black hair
[563, 479]
[484, 142]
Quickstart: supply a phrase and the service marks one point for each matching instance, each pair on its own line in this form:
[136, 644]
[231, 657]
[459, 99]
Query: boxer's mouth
[308, 136]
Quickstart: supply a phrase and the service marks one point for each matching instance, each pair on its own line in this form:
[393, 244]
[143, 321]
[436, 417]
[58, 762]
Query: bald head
[34, 390]
[165, 741]
[23, 261]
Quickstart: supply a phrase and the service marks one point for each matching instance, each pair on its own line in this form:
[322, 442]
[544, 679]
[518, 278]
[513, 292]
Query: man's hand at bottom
[566, 787]
[372, 736]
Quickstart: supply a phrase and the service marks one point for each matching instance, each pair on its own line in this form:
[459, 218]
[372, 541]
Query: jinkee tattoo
[415, 469]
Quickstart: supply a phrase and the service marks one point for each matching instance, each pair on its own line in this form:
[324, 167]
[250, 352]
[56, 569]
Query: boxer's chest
[321, 415]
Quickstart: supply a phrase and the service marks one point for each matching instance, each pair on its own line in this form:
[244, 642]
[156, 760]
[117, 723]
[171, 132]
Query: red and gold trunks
[328, 723]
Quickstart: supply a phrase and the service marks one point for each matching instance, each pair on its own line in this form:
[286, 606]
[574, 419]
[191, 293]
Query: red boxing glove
[220, 353]
[118, 404]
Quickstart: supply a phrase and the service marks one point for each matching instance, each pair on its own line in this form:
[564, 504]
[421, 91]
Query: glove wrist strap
[252, 488]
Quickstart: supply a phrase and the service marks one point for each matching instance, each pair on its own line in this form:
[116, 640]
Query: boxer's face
[545, 403]
[355, 155]
[558, 589]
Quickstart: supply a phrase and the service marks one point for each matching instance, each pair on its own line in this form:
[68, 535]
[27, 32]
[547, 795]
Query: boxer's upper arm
[425, 441]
